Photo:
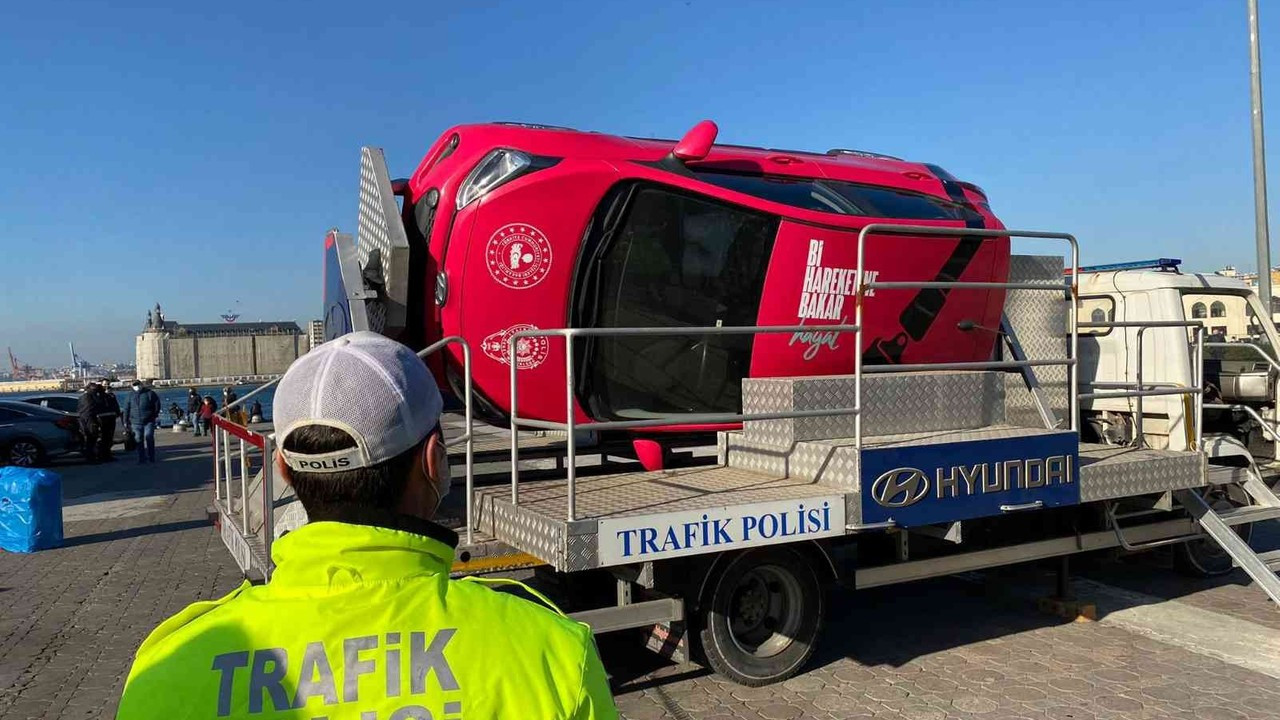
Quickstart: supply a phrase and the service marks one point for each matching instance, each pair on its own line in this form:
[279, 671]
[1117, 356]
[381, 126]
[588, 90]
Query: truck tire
[1205, 558]
[760, 615]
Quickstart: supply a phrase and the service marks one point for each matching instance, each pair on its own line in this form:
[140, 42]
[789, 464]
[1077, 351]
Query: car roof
[840, 164]
[31, 408]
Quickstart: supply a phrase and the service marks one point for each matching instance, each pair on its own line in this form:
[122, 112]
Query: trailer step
[1271, 559]
[1249, 514]
[1216, 525]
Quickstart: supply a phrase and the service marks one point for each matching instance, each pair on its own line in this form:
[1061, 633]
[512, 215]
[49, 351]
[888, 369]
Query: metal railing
[225, 464]
[224, 474]
[570, 425]
[468, 438]
[1139, 389]
[1261, 353]
[865, 286]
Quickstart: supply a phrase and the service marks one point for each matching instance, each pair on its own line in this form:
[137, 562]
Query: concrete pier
[139, 548]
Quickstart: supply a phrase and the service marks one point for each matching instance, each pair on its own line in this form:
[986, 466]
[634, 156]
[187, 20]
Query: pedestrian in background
[255, 412]
[207, 409]
[87, 410]
[143, 411]
[367, 580]
[193, 409]
[108, 412]
[228, 396]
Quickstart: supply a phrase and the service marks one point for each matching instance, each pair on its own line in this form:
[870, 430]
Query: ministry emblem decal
[518, 256]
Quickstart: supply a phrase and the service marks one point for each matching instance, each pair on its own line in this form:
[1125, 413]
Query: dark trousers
[106, 436]
[89, 435]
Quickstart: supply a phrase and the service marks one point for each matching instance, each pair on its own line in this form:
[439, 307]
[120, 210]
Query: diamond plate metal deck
[539, 527]
[834, 462]
[1108, 472]
[492, 440]
[943, 400]
[380, 229]
[1039, 319]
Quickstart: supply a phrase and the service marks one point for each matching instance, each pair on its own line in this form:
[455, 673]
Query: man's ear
[434, 456]
[282, 469]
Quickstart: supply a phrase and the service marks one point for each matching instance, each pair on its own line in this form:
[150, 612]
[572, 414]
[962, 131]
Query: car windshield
[839, 197]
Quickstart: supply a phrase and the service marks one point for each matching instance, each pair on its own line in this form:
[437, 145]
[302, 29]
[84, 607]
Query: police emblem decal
[518, 256]
[530, 352]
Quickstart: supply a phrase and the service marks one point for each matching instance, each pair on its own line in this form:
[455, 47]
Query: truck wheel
[1205, 558]
[761, 615]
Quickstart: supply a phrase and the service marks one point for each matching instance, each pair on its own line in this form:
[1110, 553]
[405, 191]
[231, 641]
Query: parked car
[31, 435]
[66, 402]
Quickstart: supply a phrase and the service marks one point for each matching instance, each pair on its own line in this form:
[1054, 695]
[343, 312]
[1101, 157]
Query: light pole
[1259, 163]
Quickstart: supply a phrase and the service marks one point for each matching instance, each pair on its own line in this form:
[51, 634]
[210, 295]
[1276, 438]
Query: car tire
[24, 452]
[760, 615]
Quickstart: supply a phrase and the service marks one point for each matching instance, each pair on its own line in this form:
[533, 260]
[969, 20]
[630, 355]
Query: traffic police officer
[360, 619]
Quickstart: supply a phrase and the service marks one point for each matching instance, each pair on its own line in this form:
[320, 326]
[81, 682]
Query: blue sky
[195, 154]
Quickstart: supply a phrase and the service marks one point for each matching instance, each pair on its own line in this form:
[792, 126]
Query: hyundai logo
[900, 487]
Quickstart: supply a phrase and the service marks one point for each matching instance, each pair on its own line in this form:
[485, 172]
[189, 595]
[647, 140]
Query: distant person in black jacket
[107, 414]
[87, 409]
[194, 401]
[142, 411]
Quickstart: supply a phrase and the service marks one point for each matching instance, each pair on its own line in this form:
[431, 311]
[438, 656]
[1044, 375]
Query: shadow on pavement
[135, 532]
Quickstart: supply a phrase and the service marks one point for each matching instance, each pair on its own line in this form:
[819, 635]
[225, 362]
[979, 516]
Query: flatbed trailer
[887, 475]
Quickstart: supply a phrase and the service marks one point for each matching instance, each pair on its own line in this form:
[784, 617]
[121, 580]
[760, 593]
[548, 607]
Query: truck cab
[1239, 369]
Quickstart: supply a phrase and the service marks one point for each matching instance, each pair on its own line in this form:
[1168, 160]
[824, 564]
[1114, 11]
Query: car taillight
[66, 423]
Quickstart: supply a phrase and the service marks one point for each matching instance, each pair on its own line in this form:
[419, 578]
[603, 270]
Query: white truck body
[1238, 371]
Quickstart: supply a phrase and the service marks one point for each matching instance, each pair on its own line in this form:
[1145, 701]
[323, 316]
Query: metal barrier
[931, 231]
[1262, 353]
[224, 476]
[571, 425]
[224, 465]
[1138, 389]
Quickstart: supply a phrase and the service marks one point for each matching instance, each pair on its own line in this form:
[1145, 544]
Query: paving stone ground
[139, 549]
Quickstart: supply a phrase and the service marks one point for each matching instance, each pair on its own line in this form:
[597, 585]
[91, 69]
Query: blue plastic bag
[30, 509]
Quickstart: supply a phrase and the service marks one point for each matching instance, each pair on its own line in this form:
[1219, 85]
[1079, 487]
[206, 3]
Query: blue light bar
[1158, 264]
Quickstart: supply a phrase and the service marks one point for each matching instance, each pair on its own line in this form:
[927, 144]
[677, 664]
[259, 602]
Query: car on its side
[31, 435]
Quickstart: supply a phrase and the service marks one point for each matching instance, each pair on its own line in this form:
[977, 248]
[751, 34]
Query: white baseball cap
[371, 387]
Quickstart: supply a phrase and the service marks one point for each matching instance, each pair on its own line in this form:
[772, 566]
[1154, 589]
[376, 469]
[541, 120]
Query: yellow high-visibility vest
[363, 622]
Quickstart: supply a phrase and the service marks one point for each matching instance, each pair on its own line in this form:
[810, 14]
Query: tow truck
[947, 416]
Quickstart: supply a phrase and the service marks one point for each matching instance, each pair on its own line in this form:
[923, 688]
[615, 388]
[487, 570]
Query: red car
[527, 226]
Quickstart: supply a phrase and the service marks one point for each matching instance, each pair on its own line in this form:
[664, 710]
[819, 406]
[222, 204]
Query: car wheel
[761, 616]
[24, 452]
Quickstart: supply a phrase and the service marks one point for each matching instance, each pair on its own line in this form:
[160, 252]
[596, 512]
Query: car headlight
[495, 168]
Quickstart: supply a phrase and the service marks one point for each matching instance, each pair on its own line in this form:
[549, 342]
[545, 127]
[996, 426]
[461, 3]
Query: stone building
[167, 350]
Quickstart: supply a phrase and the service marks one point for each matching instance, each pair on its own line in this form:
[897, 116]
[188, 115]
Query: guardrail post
[1199, 380]
[268, 503]
[244, 489]
[515, 422]
[466, 364]
[226, 465]
[571, 443]
[217, 471]
[1139, 437]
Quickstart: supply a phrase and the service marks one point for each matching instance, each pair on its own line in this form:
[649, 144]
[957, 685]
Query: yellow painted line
[494, 562]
